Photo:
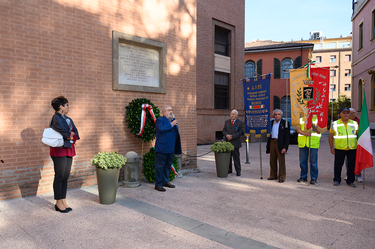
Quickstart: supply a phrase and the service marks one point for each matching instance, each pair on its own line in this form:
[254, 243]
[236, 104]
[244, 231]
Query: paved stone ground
[205, 211]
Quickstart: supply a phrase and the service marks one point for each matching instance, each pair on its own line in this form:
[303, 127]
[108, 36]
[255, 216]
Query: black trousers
[339, 162]
[236, 158]
[62, 166]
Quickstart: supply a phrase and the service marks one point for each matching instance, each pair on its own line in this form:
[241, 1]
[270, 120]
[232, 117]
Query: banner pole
[260, 158]
[363, 174]
[308, 162]
[247, 150]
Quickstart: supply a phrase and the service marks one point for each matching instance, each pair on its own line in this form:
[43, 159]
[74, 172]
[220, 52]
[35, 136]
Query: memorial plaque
[138, 64]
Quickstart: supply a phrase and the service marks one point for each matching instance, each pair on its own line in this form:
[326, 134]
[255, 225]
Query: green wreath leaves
[133, 118]
[148, 164]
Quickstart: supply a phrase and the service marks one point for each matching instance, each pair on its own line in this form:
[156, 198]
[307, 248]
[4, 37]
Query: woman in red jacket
[62, 157]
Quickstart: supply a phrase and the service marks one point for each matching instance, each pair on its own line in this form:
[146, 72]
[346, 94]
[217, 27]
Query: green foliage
[222, 147]
[148, 164]
[343, 101]
[133, 118]
[108, 160]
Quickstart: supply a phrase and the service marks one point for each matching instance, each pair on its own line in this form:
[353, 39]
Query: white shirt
[275, 129]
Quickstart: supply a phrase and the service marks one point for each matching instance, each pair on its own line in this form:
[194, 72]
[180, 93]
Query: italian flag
[364, 158]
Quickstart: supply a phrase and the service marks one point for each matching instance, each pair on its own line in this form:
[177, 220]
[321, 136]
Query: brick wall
[52, 48]
[209, 14]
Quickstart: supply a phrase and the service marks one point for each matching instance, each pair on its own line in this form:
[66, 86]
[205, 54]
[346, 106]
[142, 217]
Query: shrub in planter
[108, 165]
[149, 166]
[222, 147]
[108, 160]
[222, 157]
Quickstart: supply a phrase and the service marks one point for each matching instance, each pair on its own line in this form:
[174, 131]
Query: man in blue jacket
[166, 145]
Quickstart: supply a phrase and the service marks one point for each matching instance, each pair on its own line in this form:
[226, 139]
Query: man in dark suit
[166, 145]
[277, 145]
[233, 129]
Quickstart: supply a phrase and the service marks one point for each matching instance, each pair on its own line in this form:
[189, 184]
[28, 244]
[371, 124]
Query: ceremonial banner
[309, 97]
[257, 105]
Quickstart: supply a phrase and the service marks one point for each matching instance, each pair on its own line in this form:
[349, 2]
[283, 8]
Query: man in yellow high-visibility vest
[304, 147]
[344, 131]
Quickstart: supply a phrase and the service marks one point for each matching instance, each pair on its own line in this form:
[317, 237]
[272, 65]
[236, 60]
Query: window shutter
[297, 62]
[259, 67]
[276, 69]
[276, 102]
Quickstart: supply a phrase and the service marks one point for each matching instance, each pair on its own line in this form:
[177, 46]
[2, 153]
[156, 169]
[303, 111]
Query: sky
[279, 20]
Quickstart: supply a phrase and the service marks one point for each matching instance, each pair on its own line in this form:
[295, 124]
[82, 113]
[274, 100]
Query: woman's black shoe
[62, 211]
[69, 209]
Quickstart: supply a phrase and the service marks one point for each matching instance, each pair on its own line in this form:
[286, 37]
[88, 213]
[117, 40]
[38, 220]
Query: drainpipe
[339, 77]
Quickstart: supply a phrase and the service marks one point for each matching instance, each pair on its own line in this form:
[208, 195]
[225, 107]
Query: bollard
[131, 171]
[179, 164]
[247, 150]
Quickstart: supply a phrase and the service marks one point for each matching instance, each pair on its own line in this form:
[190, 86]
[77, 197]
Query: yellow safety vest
[345, 137]
[304, 140]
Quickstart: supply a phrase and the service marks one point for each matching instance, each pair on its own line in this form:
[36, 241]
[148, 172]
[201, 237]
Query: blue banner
[257, 105]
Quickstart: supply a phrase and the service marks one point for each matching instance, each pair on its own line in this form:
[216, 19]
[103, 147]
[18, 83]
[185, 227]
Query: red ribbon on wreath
[145, 107]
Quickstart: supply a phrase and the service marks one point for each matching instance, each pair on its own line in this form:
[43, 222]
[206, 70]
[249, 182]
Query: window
[330, 45]
[347, 72]
[347, 87]
[373, 25]
[348, 57]
[318, 59]
[360, 36]
[333, 73]
[276, 102]
[222, 41]
[332, 58]
[297, 62]
[344, 44]
[259, 67]
[221, 90]
[318, 46]
[372, 97]
[332, 88]
[249, 69]
[286, 64]
[285, 106]
[359, 96]
[276, 68]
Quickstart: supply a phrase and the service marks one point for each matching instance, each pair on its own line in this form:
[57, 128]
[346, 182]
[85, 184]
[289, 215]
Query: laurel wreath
[133, 118]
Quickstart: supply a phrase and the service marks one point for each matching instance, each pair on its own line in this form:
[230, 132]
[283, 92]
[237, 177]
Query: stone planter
[107, 184]
[222, 164]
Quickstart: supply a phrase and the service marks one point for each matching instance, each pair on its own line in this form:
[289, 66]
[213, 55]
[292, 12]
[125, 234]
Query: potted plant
[108, 165]
[222, 156]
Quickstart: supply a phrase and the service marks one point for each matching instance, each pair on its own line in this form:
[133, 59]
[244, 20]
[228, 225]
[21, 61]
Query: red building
[264, 57]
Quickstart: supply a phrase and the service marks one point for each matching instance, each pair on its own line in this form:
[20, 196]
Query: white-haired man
[277, 145]
[233, 129]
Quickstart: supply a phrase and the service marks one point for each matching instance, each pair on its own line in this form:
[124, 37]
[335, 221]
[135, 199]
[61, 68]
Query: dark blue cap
[345, 109]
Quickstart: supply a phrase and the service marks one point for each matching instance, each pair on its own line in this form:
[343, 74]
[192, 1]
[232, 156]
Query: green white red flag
[364, 157]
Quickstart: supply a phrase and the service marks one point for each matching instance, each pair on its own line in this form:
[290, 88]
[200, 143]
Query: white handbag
[52, 138]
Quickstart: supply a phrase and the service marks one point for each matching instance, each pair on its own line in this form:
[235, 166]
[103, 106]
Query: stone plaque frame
[119, 38]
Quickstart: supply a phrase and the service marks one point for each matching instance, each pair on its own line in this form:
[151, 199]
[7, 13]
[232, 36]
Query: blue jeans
[303, 160]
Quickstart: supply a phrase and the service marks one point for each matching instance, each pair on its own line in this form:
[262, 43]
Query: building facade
[220, 39]
[363, 64]
[265, 57]
[64, 47]
[335, 53]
